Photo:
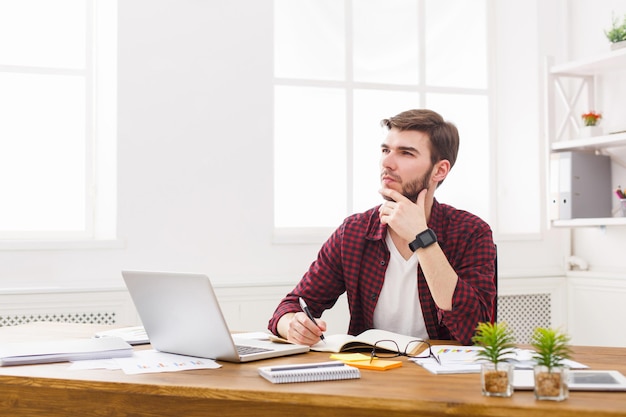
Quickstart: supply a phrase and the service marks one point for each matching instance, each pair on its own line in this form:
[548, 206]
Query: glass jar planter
[497, 380]
[551, 383]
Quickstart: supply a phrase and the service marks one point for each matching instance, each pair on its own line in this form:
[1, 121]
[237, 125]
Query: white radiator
[525, 312]
[75, 306]
[246, 308]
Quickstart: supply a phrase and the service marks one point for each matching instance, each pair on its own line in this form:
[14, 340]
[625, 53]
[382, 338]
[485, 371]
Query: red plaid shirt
[355, 257]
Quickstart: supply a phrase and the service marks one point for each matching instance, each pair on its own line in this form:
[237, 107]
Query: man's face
[405, 162]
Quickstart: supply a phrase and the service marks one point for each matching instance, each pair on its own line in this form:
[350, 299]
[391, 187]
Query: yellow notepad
[349, 357]
[359, 360]
[376, 364]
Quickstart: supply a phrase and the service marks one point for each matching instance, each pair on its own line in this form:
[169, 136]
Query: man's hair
[444, 136]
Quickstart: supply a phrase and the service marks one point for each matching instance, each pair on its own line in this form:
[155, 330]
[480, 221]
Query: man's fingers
[304, 331]
[393, 194]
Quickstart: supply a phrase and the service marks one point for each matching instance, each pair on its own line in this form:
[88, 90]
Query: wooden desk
[237, 390]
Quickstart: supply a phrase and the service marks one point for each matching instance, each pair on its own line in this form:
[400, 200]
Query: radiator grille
[524, 313]
[82, 317]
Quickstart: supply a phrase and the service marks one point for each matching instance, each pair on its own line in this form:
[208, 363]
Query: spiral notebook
[311, 372]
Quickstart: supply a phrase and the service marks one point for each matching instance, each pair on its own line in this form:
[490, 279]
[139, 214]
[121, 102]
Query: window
[57, 136]
[342, 66]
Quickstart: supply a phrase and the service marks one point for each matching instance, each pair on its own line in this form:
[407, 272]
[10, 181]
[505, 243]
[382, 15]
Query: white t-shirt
[398, 308]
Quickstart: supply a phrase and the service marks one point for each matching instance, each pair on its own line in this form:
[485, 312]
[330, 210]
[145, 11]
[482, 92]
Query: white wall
[195, 153]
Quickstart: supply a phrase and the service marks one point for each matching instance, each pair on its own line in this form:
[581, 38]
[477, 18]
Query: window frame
[100, 124]
[311, 235]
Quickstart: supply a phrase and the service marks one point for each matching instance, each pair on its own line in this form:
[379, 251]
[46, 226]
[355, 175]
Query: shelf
[594, 143]
[609, 221]
[587, 71]
[610, 61]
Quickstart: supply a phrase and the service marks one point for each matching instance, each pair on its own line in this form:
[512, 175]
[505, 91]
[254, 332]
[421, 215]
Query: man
[412, 265]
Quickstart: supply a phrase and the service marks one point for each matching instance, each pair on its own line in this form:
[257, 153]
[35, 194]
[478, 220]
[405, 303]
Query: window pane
[467, 186]
[43, 33]
[385, 47]
[456, 43]
[370, 107]
[309, 39]
[386, 41]
[42, 152]
[309, 157]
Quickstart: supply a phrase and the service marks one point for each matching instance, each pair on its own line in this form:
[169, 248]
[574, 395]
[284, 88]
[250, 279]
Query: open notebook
[181, 314]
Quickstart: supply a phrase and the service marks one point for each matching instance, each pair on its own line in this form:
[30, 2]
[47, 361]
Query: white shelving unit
[559, 86]
[597, 65]
[597, 143]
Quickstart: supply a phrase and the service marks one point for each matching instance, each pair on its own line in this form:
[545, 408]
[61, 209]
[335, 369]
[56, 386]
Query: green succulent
[617, 33]
[551, 347]
[496, 339]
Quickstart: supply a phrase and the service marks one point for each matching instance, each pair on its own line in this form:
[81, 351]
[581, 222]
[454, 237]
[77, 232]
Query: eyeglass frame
[397, 352]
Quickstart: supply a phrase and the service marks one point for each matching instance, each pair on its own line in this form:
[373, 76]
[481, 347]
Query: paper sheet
[463, 359]
[151, 361]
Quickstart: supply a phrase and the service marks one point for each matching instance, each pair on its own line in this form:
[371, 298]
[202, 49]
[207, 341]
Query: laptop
[181, 315]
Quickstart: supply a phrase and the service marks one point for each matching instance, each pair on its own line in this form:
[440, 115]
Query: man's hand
[298, 328]
[406, 218]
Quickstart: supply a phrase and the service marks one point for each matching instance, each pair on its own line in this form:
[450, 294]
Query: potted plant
[551, 348]
[496, 373]
[617, 34]
[590, 128]
[591, 118]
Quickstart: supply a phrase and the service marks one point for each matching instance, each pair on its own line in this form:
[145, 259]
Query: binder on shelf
[580, 185]
[311, 372]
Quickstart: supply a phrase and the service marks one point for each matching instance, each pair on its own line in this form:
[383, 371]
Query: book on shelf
[23, 353]
[309, 372]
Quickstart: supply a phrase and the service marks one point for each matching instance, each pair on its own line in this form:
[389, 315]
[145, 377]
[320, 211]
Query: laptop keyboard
[247, 350]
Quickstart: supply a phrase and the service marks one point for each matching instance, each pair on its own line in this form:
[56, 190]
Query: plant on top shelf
[551, 349]
[617, 33]
[591, 118]
[498, 342]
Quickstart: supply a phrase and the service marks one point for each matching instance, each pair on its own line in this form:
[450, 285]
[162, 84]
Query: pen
[306, 310]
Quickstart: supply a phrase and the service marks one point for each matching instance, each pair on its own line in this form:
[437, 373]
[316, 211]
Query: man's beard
[411, 189]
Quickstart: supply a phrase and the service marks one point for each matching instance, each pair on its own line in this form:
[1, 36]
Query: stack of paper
[135, 335]
[21, 353]
[463, 360]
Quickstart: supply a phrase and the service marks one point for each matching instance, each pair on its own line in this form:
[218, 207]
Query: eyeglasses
[390, 349]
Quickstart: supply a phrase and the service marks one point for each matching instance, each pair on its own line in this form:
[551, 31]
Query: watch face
[427, 238]
[423, 239]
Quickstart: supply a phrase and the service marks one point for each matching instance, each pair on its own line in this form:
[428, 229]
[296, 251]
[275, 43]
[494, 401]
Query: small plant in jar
[551, 349]
[498, 343]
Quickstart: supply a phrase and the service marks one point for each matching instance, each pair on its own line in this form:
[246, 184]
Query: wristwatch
[423, 240]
